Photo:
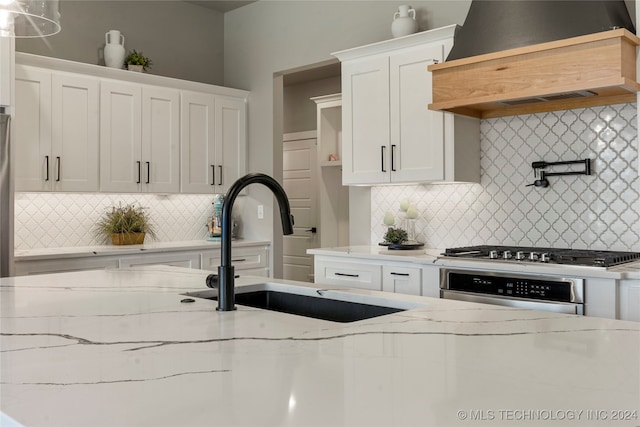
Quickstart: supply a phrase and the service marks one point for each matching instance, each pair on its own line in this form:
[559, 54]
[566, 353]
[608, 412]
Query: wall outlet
[260, 211]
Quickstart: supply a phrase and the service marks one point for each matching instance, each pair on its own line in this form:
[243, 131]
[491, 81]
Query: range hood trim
[487, 88]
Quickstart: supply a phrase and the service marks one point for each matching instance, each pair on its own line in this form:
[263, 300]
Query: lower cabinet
[252, 260]
[376, 275]
[175, 259]
[629, 300]
[361, 275]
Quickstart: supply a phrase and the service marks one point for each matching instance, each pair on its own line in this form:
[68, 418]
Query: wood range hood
[585, 71]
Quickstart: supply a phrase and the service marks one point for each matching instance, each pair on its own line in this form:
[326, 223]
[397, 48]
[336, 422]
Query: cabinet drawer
[242, 258]
[61, 265]
[176, 259]
[349, 275]
[401, 280]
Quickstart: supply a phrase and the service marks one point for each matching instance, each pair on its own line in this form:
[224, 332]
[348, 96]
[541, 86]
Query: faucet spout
[226, 275]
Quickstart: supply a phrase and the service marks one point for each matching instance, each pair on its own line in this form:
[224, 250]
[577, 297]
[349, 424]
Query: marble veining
[117, 347]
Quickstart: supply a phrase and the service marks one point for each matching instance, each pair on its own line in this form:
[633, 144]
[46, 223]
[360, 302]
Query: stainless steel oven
[538, 292]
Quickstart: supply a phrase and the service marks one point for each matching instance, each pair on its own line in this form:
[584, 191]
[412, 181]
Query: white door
[120, 137]
[365, 121]
[197, 142]
[417, 133]
[74, 133]
[32, 124]
[160, 140]
[231, 135]
[300, 184]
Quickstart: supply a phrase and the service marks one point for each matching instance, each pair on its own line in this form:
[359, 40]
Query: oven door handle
[556, 307]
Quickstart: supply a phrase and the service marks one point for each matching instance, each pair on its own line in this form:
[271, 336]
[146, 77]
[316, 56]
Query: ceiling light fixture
[29, 18]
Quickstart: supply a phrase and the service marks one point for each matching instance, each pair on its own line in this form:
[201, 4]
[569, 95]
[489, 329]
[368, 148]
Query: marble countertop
[118, 347]
[432, 256]
[106, 250]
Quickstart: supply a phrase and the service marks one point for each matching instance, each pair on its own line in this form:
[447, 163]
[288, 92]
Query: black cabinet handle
[57, 168]
[220, 182]
[139, 180]
[393, 160]
[213, 175]
[148, 171]
[347, 275]
[238, 260]
[47, 163]
[382, 158]
[400, 274]
[312, 229]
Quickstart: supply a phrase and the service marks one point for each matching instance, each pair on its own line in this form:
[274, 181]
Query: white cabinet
[402, 279]
[335, 271]
[56, 131]
[213, 142]
[389, 135]
[175, 259]
[139, 138]
[82, 127]
[250, 260]
[630, 300]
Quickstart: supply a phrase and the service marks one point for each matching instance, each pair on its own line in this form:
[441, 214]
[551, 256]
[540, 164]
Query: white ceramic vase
[114, 49]
[404, 21]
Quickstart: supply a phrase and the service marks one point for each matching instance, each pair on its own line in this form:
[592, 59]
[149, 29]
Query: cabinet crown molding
[125, 75]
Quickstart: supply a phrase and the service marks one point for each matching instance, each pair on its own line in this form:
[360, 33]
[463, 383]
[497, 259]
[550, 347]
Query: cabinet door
[32, 125]
[197, 143]
[120, 137]
[365, 114]
[231, 141]
[629, 300]
[417, 133]
[401, 280]
[160, 140]
[74, 148]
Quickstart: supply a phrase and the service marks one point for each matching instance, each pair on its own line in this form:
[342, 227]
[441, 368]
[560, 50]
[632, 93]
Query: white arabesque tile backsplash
[47, 220]
[600, 211]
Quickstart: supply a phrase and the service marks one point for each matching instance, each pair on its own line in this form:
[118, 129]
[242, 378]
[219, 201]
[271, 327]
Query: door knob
[313, 230]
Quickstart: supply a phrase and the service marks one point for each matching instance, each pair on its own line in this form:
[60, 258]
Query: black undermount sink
[324, 306]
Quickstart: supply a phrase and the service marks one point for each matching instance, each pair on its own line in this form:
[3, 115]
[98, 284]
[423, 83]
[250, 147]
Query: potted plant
[136, 61]
[125, 225]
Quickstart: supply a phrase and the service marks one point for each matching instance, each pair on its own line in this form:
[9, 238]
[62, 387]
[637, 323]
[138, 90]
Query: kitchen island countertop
[118, 347]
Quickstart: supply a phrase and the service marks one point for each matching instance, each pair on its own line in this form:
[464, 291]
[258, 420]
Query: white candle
[404, 205]
[388, 219]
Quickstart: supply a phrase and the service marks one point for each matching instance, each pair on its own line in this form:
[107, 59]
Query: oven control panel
[511, 286]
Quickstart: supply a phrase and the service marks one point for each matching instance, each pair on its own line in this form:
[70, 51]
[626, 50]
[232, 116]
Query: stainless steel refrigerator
[6, 198]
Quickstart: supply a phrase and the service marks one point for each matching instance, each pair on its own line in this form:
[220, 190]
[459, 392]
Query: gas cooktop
[590, 258]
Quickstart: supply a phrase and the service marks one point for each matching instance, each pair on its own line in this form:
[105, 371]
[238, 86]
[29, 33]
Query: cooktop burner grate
[592, 258]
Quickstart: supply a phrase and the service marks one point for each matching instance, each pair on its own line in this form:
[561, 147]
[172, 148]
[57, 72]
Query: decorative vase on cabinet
[114, 49]
[404, 21]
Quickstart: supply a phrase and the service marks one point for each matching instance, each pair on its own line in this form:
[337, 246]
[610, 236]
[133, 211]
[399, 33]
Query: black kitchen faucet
[226, 278]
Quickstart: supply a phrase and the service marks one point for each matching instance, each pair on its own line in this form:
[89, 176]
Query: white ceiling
[221, 5]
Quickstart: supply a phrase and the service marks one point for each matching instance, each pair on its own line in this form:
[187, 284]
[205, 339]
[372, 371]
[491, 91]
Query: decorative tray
[402, 246]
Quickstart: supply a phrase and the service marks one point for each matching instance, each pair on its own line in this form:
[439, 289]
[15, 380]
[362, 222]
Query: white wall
[182, 39]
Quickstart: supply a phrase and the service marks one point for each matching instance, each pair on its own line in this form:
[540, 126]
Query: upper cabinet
[56, 126]
[389, 134]
[213, 135]
[82, 127]
[139, 138]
